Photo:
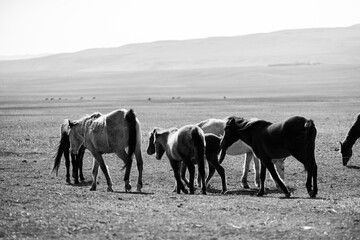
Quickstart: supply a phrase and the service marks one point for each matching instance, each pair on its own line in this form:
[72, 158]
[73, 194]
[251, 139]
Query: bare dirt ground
[35, 204]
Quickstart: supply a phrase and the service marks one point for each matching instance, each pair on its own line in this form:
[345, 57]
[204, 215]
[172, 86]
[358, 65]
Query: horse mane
[354, 132]
[242, 123]
[88, 118]
[162, 130]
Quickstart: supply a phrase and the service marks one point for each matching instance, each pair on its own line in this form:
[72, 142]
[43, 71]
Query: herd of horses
[267, 144]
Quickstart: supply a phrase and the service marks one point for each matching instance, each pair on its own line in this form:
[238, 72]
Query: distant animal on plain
[187, 145]
[349, 141]
[64, 149]
[109, 133]
[294, 136]
[217, 126]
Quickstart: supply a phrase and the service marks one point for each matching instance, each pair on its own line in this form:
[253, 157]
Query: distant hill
[283, 48]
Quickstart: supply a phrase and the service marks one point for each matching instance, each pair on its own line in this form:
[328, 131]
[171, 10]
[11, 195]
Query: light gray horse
[184, 145]
[110, 133]
[217, 126]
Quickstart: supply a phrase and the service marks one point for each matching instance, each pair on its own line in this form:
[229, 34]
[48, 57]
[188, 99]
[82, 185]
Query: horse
[349, 141]
[294, 136]
[212, 151]
[109, 133]
[185, 144]
[63, 149]
[217, 126]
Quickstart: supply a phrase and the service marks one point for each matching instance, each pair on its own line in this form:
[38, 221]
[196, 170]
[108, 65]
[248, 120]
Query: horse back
[108, 132]
[181, 144]
[214, 126]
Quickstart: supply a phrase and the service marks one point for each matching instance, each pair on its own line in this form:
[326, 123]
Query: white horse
[184, 145]
[109, 133]
[217, 126]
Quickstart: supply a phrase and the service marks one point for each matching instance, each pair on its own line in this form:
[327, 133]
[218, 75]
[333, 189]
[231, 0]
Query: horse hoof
[185, 191]
[260, 194]
[245, 185]
[139, 187]
[127, 187]
[68, 181]
[93, 189]
[204, 193]
[76, 182]
[110, 189]
[287, 195]
[223, 192]
[312, 194]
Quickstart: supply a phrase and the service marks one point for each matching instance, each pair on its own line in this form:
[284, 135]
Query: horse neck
[246, 134]
[353, 135]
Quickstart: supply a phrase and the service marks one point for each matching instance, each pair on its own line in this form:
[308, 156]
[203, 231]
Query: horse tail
[130, 118]
[311, 132]
[63, 148]
[199, 142]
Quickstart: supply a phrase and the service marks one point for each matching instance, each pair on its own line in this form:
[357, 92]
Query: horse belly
[100, 138]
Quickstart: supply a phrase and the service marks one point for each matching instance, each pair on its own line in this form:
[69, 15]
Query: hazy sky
[53, 26]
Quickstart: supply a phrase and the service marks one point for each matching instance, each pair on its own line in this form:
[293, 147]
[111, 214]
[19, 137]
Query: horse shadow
[353, 167]
[248, 191]
[135, 193]
[81, 184]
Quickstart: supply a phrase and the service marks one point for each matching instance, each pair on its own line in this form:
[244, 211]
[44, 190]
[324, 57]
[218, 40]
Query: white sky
[53, 26]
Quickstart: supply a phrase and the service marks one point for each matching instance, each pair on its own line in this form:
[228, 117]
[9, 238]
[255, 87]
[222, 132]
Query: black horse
[212, 151]
[348, 143]
[76, 160]
[294, 136]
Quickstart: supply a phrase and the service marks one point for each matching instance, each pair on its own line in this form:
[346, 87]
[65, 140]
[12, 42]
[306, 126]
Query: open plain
[37, 205]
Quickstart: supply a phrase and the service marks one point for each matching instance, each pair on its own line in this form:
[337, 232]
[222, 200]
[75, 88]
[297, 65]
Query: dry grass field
[35, 204]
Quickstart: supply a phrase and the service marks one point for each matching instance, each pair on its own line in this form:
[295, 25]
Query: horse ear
[232, 121]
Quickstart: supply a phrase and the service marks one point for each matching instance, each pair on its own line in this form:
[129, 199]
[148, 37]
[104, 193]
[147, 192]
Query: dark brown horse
[348, 143]
[184, 145]
[212, 151]
[294, 136]
[64, 149]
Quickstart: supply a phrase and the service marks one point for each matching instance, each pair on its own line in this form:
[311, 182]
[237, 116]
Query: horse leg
[213, 162]
[245, 171]
[67, 164]
[75, 166]
[280, 168]
[139, 164]
[256, 170]
[211, 173]
[270, 166]
[262, 179]
[191, 169]
[123, 155]
[311, 168]
[80, 163]
[105, 170]
[315, 188]
[201, 168]
[183, 168]
[94, 174]
[176, 168]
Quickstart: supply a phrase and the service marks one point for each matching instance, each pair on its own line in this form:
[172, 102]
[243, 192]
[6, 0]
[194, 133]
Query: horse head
[346, 153]
[76, 139]
[156, 144]
[230, 134]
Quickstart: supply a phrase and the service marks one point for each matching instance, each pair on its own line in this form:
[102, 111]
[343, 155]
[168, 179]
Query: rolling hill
[289, 47]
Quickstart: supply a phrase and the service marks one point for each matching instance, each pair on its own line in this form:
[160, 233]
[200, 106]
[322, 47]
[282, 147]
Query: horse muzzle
[345, 160]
